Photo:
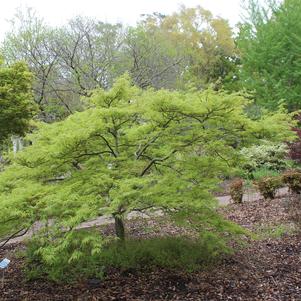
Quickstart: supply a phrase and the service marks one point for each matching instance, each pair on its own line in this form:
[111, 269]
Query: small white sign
[4, 263]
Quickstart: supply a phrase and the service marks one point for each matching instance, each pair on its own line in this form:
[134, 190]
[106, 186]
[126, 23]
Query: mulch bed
[268, 269]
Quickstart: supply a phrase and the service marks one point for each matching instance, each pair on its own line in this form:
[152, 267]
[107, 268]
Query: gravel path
[248, 197]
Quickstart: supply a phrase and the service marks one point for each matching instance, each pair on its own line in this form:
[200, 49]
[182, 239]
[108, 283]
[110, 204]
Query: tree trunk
[119, 227]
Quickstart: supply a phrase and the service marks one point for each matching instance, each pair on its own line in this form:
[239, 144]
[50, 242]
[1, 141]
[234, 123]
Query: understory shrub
[268, 186]
[292, 178]
[295, 147]
[71, 257]
[268, 156]
[133, 254]
[264, 172]
[165, 252]
[236, 191]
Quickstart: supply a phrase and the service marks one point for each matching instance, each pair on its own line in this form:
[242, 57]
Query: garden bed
[267, 268]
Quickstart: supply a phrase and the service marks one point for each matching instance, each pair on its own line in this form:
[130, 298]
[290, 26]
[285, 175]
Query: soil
[267, 268]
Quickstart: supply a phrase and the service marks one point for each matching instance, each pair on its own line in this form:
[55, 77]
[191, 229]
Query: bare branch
[18, 233]
[153, 161]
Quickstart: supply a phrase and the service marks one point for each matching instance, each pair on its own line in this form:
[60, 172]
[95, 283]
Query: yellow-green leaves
[131, 150]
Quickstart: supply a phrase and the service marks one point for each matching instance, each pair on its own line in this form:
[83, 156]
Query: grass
[274, 231]
[165, 252]
[263, 172]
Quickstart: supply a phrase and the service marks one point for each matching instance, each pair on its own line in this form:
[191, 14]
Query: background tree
[88, 53]
[188, 47]
[269, 44]
[151, 57]
[208, 43]
[30, 41]
[16, 100]
[66, 62]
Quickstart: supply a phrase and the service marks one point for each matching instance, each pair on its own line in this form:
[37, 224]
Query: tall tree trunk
[119, 227]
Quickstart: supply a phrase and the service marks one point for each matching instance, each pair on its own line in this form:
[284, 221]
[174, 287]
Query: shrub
[293, 179]
[236, 191]
[76, 171]
[165, 252]
[270, 156]
[264, 172]
[295, 147]
[73, 259]
[268, 186]
[134, 254]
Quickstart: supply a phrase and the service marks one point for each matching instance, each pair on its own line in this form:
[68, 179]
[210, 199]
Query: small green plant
[263, 172]
[165, 252]
[77, 257]
[274, 231]
[292, 178]
[175, 253]
[268, 186]
[236, 191]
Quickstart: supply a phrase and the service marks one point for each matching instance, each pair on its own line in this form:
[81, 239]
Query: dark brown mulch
[252, 214]
[267, 269]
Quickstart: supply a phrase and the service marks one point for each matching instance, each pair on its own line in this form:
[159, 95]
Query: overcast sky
[57, 12]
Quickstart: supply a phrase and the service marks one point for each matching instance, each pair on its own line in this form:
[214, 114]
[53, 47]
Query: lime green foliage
[210, 228]
[66, 260]
[168, 252]
[265, 157]
[165, 252]
[202, 247]
[130, 150]
[16, 100]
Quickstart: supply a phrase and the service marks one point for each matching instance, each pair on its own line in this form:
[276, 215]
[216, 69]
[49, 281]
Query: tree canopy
[269, 45]
[16, 100]
[130, 150]
[141, 119]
